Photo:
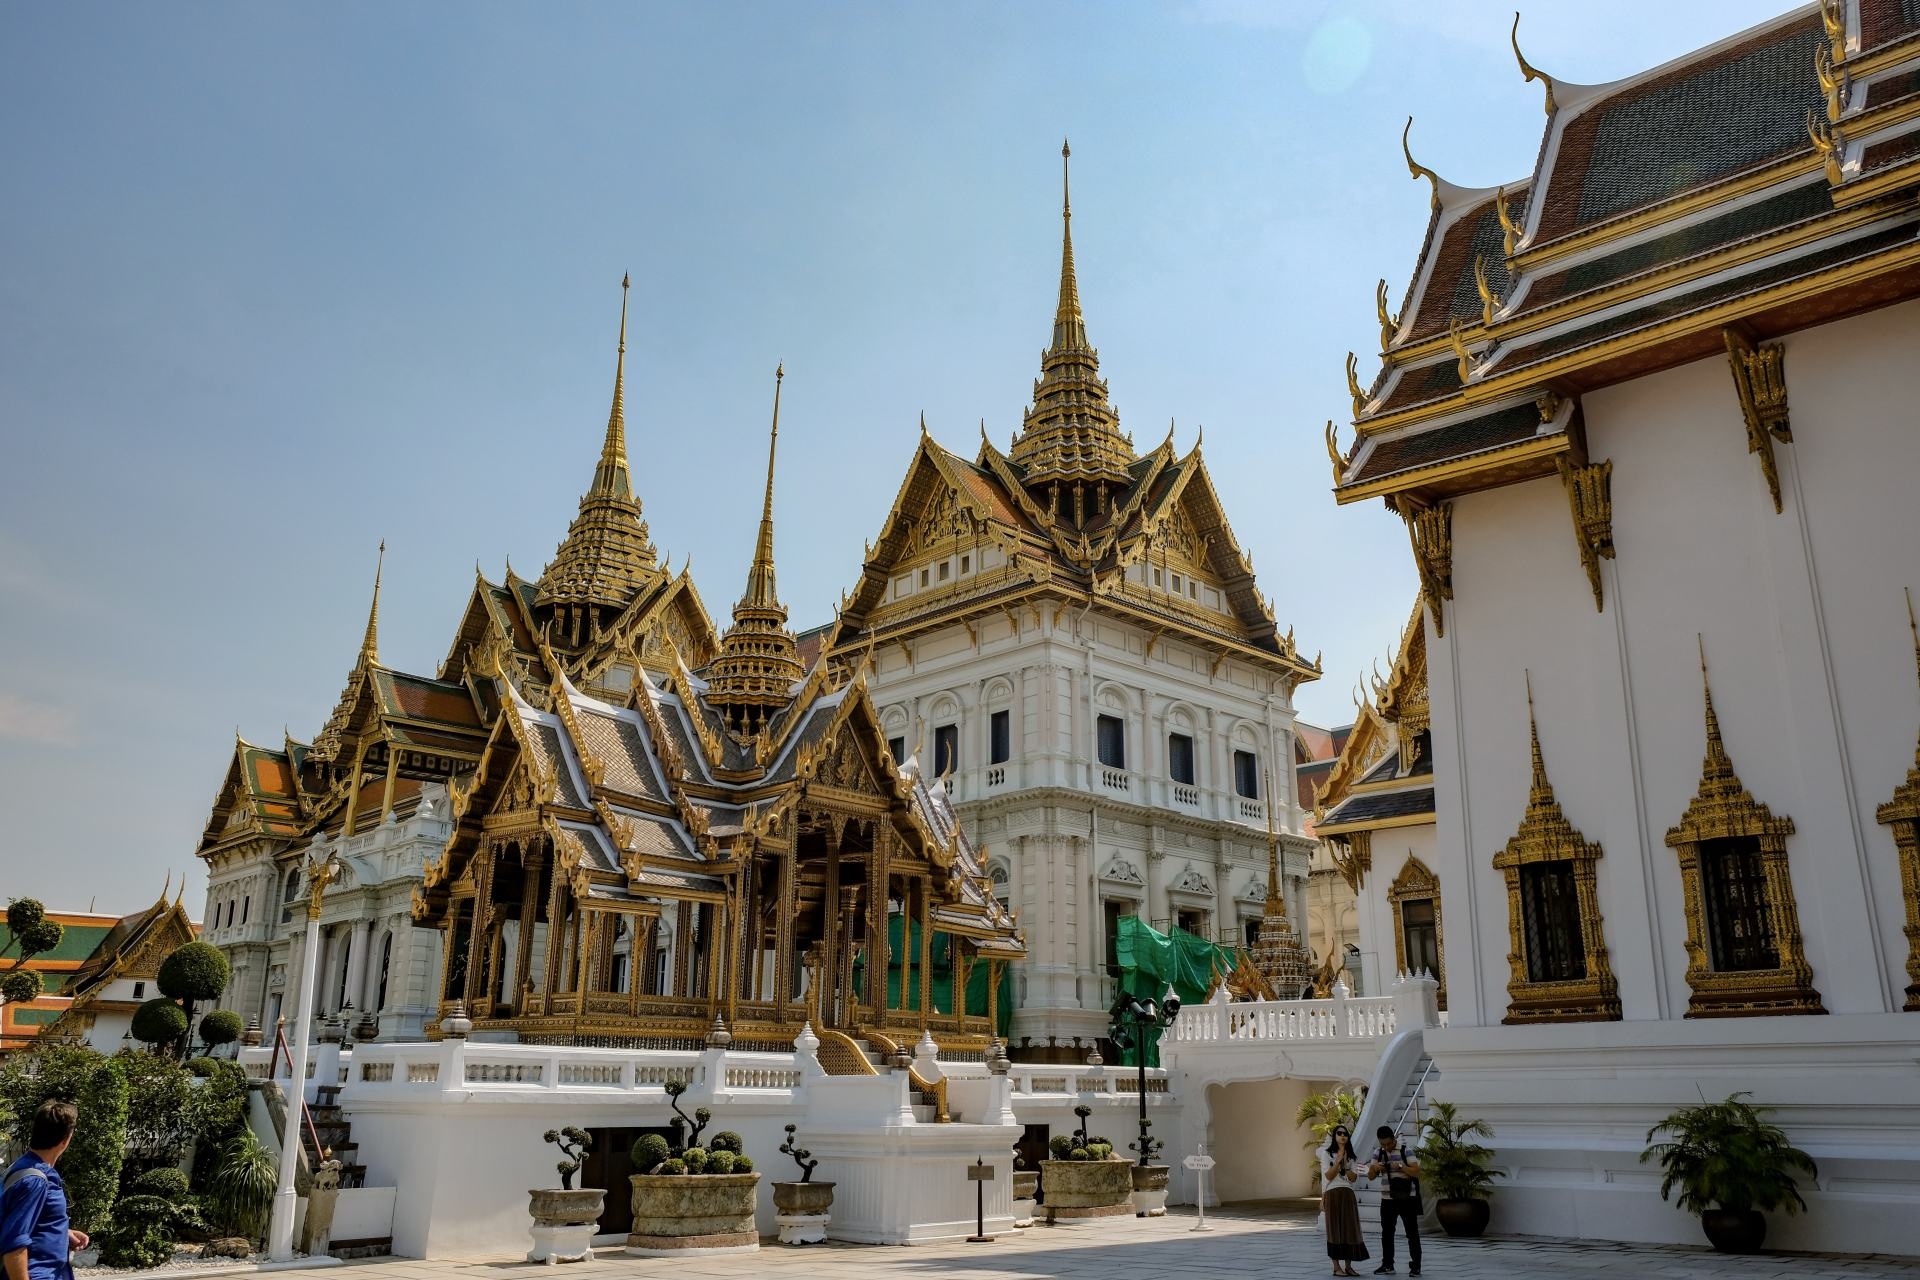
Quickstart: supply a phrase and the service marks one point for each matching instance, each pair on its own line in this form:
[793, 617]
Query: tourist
[35, 1239]
[1400, 1199]
[1339, 1169]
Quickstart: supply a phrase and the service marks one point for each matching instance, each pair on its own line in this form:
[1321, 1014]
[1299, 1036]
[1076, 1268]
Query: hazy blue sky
[277, 282]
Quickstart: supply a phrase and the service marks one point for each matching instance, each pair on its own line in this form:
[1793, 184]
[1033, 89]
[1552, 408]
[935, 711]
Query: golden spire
[1274, 900]
[1539, 786]
[1277, 953]
[370, 643]
[760, 584]
[1069, 326]
[611, 478]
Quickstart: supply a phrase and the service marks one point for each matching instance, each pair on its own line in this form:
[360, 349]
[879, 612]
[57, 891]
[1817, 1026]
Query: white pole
[285, 1198]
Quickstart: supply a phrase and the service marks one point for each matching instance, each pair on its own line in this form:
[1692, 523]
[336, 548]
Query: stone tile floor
[1282, 1245]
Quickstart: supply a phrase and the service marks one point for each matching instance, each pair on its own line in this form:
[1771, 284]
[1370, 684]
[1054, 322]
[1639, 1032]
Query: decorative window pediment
[1191, 881]
[1557, 944]
[1119, 870]
[1721, 822]
[1413, 892]
[1902, 813]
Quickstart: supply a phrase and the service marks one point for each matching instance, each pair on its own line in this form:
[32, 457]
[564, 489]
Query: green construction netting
[1149, 961]
[903, 969]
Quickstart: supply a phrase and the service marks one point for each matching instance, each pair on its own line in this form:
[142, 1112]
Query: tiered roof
[1759, 185]
[1384, 774]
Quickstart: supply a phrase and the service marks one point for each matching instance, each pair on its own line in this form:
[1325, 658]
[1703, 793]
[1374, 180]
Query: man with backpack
[35, 1235]
[1399, 1199]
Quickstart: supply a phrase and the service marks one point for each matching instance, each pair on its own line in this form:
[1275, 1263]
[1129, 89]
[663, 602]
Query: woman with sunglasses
[1340, 1168]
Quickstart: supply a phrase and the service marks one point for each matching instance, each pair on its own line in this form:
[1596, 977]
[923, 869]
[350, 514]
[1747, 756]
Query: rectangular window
[1420, 935]
[1246, 774]
[1112, 734]
[1177, 584]
[1250, 929]
[1180, 758]
[923, 577]
[898, 746]
[945, 568]
[1194, 922]
[1550, 916]
[1000, 743]
[1739, 926]
[1113, 909]
[246, 908]
[1159, 578]
[966, 564]
[946, 749]
[902, 585]
[1193, 589]
[139, 991]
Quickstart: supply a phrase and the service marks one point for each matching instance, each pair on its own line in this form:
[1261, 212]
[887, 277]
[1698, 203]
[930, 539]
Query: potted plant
[1149, 1176]
[1731, 1167]
[565, 1218]
[801, 1208]
[1085, 1179]
[1456, 1169]
[1026, 1192]
[688, 1196]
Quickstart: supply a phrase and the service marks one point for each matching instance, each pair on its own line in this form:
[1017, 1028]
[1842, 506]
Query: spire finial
[1716, 748]
[1067, 315]
[370, 643]
[760, 581]
[1273, 850]
[1533, 734]
[610, 477]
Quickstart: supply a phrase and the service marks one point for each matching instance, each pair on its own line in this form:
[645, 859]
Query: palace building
[1648, 414]
[1069, 636]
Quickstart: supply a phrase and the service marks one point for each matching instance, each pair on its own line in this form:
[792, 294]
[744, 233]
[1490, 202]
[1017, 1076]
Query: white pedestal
[562, 1244]
[1023, 1212]
[802, 1228]
[1150, 1204]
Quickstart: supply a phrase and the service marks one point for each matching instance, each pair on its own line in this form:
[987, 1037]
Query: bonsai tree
[222, 1026]
[159, 1022]
[650, 1151]
[30, 933]
[1454, 1167]
[1726, 1159]
[686, 1129]
[574, 1143]
[653, 1154]
[195, 972]
[801, 1156]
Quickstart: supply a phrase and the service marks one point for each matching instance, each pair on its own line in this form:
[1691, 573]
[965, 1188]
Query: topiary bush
[159, 1022]
[649, 1152]
[142, 1233]
[20, 986]
[721, 1161]
[673, 1165]
[30, 932]
[695, 1159]
[727, 1140]
[222, 1026]
[1059, 1145]
[195, 971]
[743, 1164]
[94, 1084]
[169, 1184]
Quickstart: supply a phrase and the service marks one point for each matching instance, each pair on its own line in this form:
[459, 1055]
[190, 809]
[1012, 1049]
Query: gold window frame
[1722, 808]
[1416, 880]
[1902, 813]
[1545, 835]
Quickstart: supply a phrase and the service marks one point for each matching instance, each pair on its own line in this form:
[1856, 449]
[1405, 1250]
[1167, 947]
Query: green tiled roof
[77, 943]
[36, 1017]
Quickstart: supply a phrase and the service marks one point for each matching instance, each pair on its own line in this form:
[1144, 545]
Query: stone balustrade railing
[378, 1069]
[1219, 1022]
[1037, 1079]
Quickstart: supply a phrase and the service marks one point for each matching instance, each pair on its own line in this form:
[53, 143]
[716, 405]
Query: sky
[280, 282]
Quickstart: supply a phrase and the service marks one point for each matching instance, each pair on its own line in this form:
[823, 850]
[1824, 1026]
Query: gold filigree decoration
[1430, 530]
[1546, 836]
[1902, 813]
[1352, 855]
[1590, 498]
[1415, 882]
[1759, 378]
[1723, 809]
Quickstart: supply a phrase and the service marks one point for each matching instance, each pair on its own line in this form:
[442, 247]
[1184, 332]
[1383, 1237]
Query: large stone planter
[1026, 1193]
[1150, 1190]
[801, 1210]
[564, 1223]
[1087, 1188]
[677, 1215]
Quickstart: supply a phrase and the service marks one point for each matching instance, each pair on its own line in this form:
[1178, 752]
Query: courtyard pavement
[1283, 1245]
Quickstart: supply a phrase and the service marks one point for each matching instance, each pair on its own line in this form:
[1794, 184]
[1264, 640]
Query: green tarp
[1149, 961]
[903, 969]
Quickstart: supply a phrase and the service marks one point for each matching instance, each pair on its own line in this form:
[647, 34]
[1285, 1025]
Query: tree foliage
[33, 934]
[20, 985]
[1321, 1114]
[160, 1103]
[159, 1022]
[218, 1114]
[222, 1026]
[97, 1087]
[195, 971]
[240, 1192]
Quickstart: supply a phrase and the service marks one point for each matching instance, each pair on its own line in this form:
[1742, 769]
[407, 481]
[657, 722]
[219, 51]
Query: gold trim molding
[1902, 813]
[1416, 881]
[1722, 808]
[1590, 498]
[1352, 854]
[1430, 530]
[1760, 379]
[1545, 835]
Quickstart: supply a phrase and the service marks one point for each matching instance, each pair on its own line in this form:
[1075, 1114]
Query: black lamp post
[1131, 1018]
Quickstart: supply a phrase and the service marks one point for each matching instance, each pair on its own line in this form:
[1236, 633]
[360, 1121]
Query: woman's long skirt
[1342, 1212]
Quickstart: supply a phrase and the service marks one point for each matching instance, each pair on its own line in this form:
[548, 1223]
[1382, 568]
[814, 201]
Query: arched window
[386, 965]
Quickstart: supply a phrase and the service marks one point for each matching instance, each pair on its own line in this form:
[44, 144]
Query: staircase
[867, 1054]
[1405, 1115]
[335, 1136]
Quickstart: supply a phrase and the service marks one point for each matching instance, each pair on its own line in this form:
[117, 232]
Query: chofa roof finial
[1527, 69]
[1414, 167]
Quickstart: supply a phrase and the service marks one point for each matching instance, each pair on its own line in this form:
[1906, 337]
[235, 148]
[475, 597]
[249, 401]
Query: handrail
[845, 1052]
[1419, 1092]
[299, 1089]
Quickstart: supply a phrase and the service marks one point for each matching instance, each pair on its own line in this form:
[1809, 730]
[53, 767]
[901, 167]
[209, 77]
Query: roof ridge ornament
[1333, 453]
[370, 642]
[1353, 386]
[1387, 327]
[1415, 168]
[1489, 301]
[1511, 230]
[1527, 69]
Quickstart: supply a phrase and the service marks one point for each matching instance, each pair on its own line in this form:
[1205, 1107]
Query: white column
[280, 1229]
[357, 963]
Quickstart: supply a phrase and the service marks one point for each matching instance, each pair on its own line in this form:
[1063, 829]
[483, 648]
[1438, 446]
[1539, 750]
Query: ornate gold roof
[607, 558]
[1072, 433]
[759, 662]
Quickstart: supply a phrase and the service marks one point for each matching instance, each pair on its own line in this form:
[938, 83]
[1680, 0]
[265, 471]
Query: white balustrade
[1116, 780]
[1186, 796]
[1368, 1018]
[1041, 1079]
[996, 775]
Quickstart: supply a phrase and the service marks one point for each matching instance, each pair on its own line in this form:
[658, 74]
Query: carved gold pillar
[830, 933]
[531, 862]
[479, 939]
[393, 773]
[683, 915]
[716, 931]
[924, 888]
[879, 944]
[993, 998]
[847, 1012]
[783, 927]
[550, 977]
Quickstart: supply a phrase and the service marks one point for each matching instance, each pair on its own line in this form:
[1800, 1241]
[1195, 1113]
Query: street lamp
[1132, 1017]
[320, 874]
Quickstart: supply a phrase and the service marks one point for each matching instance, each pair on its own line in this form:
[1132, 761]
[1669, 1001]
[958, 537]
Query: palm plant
[240, 1192]
[1726, 1155]
[1454, 1167]
[1322, 1113]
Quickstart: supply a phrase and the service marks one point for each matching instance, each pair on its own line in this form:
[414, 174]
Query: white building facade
[1656, 455]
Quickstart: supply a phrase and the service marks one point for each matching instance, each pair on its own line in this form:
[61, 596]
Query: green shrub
[94, 1084]
[240, 1191]
[160, 1103]
[20, 986]
[721, 1161]
[196, 971]
[1059, 1145]
[222, 1026]
[1099, 1150]
[1729, 1155]
[726, 1140]
[159, 1021]
[672, 1165]
[142, 1232]
[1079, 1153]
[743, 1164]
[217, 1113]
[695, 1159]
[649, 1151]
[168, 1184]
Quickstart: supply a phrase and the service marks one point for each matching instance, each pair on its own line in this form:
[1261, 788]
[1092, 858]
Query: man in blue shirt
[35, 1239]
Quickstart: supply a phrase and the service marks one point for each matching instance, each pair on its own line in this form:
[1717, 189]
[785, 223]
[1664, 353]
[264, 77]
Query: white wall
[1255, 1141]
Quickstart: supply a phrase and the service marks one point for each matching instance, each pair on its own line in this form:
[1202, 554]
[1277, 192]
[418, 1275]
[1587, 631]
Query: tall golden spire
[610, 477]
[1277, 951]
[607, 559]
[753, 676]
[370, 643]
[1071, 433]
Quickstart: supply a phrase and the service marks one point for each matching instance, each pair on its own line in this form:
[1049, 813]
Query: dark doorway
[608, 1166]
[1032, 1149]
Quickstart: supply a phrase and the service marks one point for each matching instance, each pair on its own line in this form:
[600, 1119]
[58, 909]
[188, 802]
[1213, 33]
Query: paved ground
[1282, 1246]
